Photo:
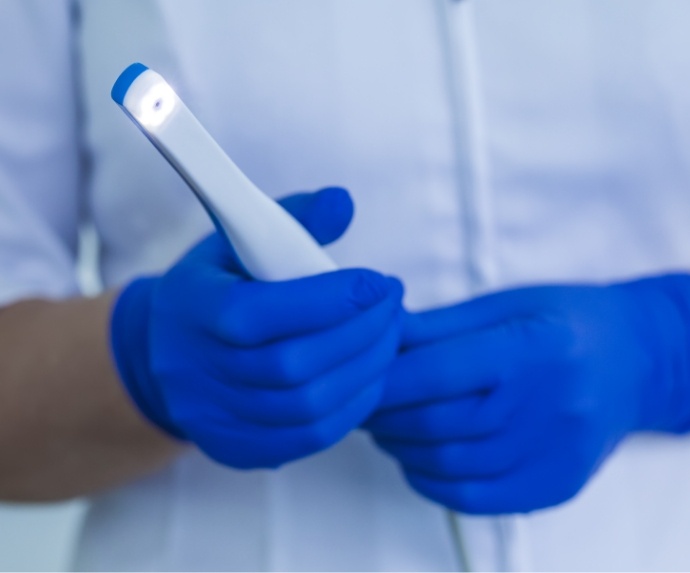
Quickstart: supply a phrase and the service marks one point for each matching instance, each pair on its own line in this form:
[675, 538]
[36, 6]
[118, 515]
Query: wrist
[129, 345]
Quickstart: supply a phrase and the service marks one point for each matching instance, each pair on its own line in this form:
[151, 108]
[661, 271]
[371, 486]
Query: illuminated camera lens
[156, 105]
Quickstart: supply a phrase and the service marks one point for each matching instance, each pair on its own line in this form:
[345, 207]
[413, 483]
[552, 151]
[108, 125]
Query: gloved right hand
[511, 402]
[258, 374]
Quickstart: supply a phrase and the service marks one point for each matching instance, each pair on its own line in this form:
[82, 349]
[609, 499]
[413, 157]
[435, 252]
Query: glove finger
[474, 416]
[252, 314]
[248, 314]
[529, 488]
[243, 445]
[469, 459]
[298, 360]
[452, 367]
[480, 313]
[542, 471]
[326, 214]
[316, 400]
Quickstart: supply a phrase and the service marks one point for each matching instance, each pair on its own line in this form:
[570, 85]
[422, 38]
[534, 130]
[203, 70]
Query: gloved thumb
[326, 214]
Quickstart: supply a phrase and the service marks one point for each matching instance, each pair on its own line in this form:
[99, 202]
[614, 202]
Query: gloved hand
[509, 403]
[258, 374]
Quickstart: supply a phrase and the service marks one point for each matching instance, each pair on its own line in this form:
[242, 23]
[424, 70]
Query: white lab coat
[487, 143]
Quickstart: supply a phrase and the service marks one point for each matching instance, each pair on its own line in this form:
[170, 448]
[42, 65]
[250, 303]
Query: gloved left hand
[258, 374]
[509, 403]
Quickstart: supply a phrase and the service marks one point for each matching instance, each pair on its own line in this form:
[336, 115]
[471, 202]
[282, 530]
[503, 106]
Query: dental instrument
[269, 242]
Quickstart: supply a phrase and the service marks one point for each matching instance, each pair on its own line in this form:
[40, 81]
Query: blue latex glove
[258, 374]
[509, 403]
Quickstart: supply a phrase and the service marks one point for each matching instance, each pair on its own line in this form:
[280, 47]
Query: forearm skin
[67, 427]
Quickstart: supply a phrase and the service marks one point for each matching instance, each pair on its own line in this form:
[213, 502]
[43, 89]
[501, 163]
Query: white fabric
[39, 155]
[486, 143]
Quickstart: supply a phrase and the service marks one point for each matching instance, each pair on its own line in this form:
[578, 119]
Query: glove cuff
[129, 342]
[677, 289]
[665, 401]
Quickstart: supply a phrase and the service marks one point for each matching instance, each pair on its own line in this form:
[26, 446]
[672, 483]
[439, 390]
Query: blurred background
[38, 537]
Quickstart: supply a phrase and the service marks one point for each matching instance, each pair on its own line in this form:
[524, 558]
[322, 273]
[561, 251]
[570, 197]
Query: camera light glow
[156, 105]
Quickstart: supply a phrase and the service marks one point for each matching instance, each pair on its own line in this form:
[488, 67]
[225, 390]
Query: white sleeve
[39, 151]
